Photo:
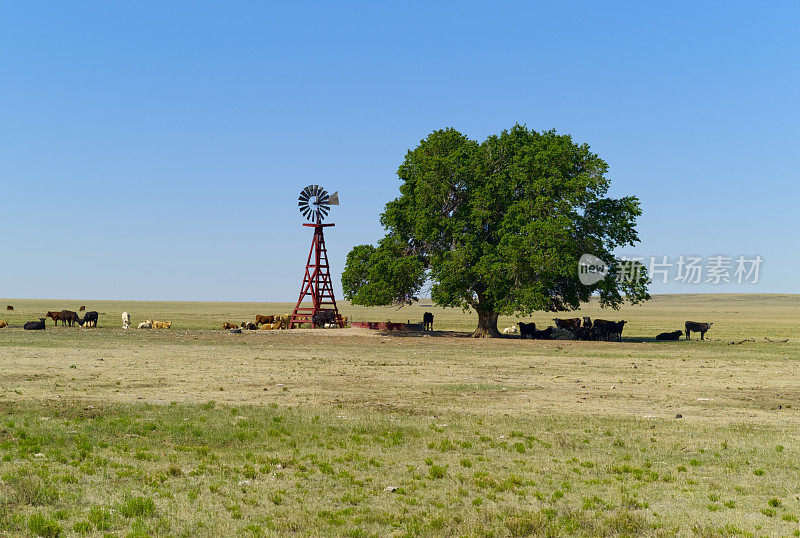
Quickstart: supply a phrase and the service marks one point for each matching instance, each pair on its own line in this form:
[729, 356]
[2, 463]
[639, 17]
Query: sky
[155, 150]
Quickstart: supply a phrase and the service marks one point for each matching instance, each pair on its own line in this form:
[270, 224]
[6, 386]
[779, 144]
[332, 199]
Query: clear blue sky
[154, 150]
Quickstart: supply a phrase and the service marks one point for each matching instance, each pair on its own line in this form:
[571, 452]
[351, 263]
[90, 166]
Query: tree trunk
[487, 325]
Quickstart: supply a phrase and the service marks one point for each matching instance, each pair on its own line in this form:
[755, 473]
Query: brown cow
[82, 308]
[69, 317]
[227, 325]
[3, 324]
[697, 327]
[54, 315]
[568, 324]
[9, 307]
[261, 320]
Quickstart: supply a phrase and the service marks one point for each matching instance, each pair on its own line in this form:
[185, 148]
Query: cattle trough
[387, 326]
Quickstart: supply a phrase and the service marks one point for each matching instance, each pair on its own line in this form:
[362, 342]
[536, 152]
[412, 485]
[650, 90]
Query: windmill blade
[315, 203]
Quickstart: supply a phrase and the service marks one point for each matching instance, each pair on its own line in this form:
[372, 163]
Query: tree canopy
[498, 227]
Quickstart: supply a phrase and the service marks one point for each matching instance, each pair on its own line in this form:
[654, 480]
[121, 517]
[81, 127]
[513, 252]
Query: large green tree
[498, 227]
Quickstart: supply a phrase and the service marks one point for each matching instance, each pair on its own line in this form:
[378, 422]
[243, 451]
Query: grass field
[196, 432]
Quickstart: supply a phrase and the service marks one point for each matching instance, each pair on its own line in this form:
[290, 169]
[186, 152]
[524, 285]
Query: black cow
[674, 335]
[249, 326]
[585, 333]
[70, 317]
[427, 321]
[527, 329]
[697, 327]
[546, 334]
[608, 330]
[90, 318]
[34, 325]
[321, 317]
[587, 322]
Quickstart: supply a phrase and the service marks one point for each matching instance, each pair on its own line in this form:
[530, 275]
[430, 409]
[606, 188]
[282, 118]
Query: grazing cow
[89, 319]
[260, 320]
[54, 315]
[587, 322]
[320, 318]
[146, 324]
[527, 329]
[9, 307]
[82, 308]
[126, 320]
[674, 335]
[427, 321]
[568, 324]
[162, 324]
[68, 317]
[697, 327]
[511, 330]
[3, 324]
[34, 325]
[227, 325]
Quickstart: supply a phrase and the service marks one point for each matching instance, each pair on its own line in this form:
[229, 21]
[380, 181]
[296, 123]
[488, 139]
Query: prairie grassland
[196, 432]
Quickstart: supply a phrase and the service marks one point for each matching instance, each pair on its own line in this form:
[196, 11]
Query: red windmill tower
[317, 288]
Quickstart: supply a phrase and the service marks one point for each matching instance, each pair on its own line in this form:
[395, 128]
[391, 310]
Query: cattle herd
[66, 317]
[564, 329]
[599, 329]
[266, 322]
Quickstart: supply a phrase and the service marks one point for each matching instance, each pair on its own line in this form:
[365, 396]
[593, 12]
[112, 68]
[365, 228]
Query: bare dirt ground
[432, 373]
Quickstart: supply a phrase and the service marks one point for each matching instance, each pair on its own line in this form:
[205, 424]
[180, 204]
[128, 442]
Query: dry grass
[496, 436]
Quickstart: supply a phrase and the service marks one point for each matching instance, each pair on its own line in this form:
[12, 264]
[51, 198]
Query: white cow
[126, 320]
[511, 330]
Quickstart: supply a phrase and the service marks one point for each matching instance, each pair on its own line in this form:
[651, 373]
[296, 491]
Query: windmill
[314, 204]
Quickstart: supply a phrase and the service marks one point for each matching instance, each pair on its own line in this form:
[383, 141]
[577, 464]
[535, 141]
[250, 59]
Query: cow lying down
[674, 335]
